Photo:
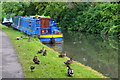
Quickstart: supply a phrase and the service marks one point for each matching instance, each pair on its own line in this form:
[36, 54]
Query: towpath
[9, 65]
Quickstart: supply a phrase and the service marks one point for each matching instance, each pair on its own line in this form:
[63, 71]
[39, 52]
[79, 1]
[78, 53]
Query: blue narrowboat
[42, 27]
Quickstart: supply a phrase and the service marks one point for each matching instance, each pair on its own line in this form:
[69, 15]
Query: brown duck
[68, 61]
[35, 60]
[62, 55]
[29, 39]
[42, 50]
[45, 53]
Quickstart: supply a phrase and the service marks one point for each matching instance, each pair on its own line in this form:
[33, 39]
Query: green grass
[51, 66]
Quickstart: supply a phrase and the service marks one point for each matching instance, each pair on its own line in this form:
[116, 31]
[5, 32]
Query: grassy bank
[51, 66]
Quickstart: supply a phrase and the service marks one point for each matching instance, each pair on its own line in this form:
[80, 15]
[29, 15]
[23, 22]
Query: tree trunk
[69, 4]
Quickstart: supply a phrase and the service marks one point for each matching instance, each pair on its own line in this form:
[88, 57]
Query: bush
[102, 18]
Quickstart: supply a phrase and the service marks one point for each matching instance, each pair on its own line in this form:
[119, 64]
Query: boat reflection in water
[57, 47]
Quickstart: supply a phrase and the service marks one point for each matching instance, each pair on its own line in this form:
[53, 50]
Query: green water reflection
[99, 53]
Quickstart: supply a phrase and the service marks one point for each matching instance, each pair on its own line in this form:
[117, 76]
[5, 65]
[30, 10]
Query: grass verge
[51, 66]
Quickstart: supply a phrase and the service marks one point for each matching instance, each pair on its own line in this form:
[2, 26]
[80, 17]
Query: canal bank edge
[75, 62]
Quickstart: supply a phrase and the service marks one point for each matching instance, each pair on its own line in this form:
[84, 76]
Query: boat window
[30, 24]
[37, 22]
[45, 31]
[7, 18]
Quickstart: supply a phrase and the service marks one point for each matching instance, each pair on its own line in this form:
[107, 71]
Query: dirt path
[9, 63]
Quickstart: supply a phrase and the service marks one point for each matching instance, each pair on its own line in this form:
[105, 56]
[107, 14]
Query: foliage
[14, 8]
[96, 17]
[92, 17]
[53, 9]
[0, 12]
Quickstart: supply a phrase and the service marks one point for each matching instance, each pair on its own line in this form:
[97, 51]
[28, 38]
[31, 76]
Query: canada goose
[32, 68]
[35, 60]
[70, 71]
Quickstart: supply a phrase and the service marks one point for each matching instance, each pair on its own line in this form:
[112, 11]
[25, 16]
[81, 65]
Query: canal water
[93, 50]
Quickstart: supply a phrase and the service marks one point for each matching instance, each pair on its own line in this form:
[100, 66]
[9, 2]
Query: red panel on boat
[45, 22]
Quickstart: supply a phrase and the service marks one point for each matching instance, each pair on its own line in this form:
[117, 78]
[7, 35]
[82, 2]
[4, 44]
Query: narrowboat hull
[51, 38]
[49, 42]
[7, 24]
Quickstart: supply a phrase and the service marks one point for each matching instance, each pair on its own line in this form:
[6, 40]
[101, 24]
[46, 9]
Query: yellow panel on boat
[51, 36]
